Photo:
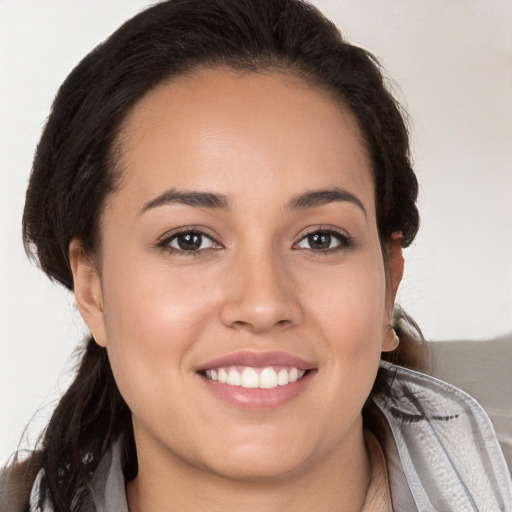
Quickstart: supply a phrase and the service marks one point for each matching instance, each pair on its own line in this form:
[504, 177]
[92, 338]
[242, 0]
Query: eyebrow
[316, 198]
[304, 201]
[189, 198]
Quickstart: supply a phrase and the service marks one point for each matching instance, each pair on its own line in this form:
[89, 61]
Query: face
[240, 290]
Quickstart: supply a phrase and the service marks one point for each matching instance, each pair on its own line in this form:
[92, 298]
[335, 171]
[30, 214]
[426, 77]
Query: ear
[395, 269]
[394, 273]
[88, 292]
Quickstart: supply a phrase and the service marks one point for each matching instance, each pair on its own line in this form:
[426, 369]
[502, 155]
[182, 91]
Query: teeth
[223, 376]
[249, 378]
[282, 377]
[267, 378]
[234, 378]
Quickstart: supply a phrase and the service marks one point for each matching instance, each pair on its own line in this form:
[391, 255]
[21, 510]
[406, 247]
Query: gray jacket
[440, 448]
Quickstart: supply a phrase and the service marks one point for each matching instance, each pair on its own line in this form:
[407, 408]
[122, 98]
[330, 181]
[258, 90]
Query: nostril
[260, 325]
[239, 324]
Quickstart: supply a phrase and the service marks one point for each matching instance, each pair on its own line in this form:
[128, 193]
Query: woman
[226, 188]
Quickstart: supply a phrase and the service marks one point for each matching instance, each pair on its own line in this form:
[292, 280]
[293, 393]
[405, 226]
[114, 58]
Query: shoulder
[16, 482]
[444, 443]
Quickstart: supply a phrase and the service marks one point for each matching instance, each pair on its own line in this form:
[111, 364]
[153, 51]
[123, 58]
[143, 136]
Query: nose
[261, 296]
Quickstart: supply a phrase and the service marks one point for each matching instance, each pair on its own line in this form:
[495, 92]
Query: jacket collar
[440, 446]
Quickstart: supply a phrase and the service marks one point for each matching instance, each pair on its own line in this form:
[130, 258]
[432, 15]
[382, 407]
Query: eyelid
[324, 228]
[345, 239]
[164, 241]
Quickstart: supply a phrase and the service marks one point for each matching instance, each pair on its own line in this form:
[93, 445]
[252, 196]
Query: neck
[337, 482]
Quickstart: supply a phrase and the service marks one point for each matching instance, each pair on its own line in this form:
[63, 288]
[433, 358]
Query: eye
[188, 242]
[324, 240]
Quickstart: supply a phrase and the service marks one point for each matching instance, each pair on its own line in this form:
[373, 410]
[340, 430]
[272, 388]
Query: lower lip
[257, 399]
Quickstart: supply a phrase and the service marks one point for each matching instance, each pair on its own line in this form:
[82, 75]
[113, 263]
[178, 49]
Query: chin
[261, 461]
[255, 469]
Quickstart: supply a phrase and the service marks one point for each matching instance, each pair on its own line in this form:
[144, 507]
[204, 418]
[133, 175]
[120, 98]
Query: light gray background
[451, 60]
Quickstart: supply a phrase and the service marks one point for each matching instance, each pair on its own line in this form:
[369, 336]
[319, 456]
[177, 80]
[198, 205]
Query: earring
[392, 339]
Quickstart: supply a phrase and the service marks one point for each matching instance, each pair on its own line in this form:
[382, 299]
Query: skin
[260, 139]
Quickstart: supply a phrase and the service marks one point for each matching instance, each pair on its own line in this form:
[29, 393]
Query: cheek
[152, 305]
[349, 312]
[152, 318]
[349, 301]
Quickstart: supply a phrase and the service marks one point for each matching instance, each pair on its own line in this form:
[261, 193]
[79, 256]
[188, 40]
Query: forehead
[250, 134]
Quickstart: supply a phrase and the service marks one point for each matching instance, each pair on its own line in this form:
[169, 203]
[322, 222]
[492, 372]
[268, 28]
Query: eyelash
[165, 242]
[345, 241]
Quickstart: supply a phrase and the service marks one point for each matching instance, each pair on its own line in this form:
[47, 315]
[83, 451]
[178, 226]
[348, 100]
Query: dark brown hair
[74, 171]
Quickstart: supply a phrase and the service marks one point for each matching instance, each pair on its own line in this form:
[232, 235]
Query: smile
[253, 378]
[257, 381]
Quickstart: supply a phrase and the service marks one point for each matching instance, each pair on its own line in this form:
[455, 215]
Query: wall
[451, 67]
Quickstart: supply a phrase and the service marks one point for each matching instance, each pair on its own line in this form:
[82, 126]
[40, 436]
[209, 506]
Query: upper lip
[257, 360]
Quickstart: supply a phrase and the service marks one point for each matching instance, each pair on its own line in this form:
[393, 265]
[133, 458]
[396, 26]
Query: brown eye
[190, 241]
[319, 241]
[324, 241]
